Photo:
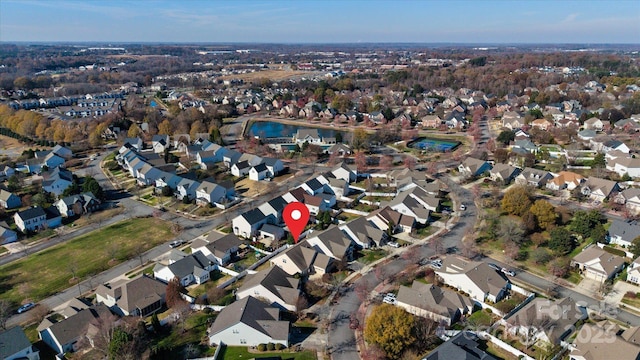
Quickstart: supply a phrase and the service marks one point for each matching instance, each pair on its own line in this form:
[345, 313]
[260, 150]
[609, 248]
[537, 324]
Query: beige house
[597, 264]
[545, 320]
[433, 302]
[474, 278]
[273, 285]
[614, 343]
[565, 180]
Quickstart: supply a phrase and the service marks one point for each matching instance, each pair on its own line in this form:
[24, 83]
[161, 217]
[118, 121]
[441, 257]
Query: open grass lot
[238, 352]
[43, 274]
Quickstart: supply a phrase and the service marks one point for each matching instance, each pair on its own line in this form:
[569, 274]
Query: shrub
[540, 256]
[630, 295]
[262, 347]
[279, 346]
[271, 346]
[207, 310]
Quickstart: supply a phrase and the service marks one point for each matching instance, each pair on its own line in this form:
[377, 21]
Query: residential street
[132, 208]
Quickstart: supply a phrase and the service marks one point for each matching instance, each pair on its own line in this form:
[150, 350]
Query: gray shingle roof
[12, 341]
[255, 314]
[277, 281]
[626, 230]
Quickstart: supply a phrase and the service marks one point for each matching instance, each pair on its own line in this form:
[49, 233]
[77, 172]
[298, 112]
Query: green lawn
[3, 250]
[369, 256]
[238, 352]
[44, 273]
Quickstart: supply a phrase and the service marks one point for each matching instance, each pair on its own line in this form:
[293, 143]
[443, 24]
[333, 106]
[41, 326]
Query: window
[243, 341]
[235, 331]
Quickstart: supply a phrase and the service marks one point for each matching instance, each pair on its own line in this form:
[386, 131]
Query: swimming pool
[434, 144]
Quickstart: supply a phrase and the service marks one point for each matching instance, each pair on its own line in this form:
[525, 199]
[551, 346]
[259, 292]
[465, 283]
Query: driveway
[619, 289]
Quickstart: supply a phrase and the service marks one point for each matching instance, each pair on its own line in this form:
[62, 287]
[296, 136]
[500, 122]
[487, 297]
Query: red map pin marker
[296, 216]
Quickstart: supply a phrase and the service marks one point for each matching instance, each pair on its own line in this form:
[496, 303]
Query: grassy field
[238, 352]
[43, 274]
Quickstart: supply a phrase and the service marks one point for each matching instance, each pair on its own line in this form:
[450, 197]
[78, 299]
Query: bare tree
[39, 313]
[5, 313]
[437, 245]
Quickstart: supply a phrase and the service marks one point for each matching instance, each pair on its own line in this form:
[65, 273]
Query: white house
[248, 223]
[209, 193]
[249, 322]
[160, 143]
[31, 219]
[193, 268]
[258, 172]
[16, 345]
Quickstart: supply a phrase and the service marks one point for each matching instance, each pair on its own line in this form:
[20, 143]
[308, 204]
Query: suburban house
[77, 204]
[504, 173]
[338, 187]
[9, 200]
[135, 143]
[310, 136]
[416, 203]
[249, 322]
[14, 345]
[160, 143]
[597, 264]
[333, 243]
[274, 285]
[512, 120]
[387, 217]
[616, 343]
[433, 302]
[193, 268]
[248, 223]
[565, 180]
[364, 233]
[474, 278]
[258, 172]
[633, 272]
[219, 248]
[546, 320]
[274, 166]
[623, 232]
[593, 123]
[56, 181]
[624, 165]
[62, 151]
[31, 219]
[66, 335]
[630, 198]
[186, 188]
[140, 296]
[533, 177]
[339, 149]
[303, 260]
[273, 208]
[50, 160]
[599, 189]
[240, 168]
[210, 193]
[7, 235]
[231, 157]
[345, 172]
[465, 345]
[269, 232]
[473, 167]
[6, 171]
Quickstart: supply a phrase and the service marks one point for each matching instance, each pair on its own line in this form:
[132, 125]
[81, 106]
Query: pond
[434, 144]
[267, 129]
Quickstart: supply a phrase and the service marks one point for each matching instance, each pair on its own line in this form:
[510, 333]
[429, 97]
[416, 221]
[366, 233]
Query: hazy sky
[329, 21]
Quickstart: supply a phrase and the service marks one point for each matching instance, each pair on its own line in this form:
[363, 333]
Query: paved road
[611, 310]
[191, 230]
[341, 339]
